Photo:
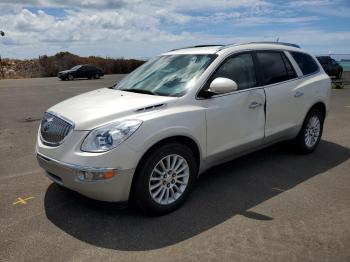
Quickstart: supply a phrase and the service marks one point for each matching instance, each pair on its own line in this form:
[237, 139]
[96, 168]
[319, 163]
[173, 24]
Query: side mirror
[223, 85]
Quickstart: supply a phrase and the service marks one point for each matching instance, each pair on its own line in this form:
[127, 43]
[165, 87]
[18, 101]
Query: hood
[98, 107]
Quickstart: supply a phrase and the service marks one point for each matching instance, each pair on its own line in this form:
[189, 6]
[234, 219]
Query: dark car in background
[81, 71]
[331, 66]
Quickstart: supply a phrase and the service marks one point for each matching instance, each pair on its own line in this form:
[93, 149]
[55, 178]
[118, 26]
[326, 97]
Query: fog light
[90, 176]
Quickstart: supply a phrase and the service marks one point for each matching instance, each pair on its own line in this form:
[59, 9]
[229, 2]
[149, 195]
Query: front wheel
[165, 179]
[311, 132]
[97, 76]
[70, 77]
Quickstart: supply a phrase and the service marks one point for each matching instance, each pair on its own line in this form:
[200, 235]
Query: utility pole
[1, 70]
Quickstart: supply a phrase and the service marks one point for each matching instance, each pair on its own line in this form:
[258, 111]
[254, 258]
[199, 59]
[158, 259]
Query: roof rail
[263, 42]
[277, 43]
[195, 46]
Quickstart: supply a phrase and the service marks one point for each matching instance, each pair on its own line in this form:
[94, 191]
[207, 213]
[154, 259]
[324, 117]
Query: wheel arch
[321, 106]
[182, 139]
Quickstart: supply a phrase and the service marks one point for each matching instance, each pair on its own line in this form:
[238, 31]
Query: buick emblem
[46, 124]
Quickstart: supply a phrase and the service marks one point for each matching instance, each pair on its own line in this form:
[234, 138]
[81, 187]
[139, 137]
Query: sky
[143, 29]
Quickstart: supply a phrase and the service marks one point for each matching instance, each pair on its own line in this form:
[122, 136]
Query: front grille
[54, 129]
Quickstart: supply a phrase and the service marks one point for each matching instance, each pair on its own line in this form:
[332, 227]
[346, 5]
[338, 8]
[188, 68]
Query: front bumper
[116, 189]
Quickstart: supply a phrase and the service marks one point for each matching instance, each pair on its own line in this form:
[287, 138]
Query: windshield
[169, 75]
[75, 67]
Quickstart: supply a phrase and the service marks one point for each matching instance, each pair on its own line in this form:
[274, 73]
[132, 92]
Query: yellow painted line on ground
[22, 201]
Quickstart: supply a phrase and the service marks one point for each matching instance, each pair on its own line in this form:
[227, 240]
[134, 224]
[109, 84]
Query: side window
[275, 67]
[322, 60]
[326, 61]
[240, 69]
[306, 63]
[290, 70]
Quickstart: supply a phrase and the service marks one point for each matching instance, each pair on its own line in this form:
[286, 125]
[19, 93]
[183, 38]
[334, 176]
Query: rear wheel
[311, 132]
[165, 179]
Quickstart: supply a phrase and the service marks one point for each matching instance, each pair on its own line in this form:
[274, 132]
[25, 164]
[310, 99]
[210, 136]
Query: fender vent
[148, 108]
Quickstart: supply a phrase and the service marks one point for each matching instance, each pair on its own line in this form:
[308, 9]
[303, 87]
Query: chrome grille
[54, 129]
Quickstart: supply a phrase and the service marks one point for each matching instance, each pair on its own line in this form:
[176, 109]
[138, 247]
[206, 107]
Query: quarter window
[306, 63]
[275, 67]
[240, 69]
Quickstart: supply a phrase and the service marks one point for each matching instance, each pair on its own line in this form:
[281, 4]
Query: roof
[210, 49]
[213, 49]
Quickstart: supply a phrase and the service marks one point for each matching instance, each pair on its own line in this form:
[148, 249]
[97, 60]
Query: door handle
[298, 94]
[254, 105]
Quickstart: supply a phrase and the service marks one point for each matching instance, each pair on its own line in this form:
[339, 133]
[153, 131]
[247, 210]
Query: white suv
[147, 138]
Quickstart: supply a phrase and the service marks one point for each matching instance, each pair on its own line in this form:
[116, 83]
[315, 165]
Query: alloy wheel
[312, 131]
[169, 179]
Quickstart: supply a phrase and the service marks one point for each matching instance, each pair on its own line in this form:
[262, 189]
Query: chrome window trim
[234, 92]
[62, 141]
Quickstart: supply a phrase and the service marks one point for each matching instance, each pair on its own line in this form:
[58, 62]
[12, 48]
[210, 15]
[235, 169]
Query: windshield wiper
[140, 91]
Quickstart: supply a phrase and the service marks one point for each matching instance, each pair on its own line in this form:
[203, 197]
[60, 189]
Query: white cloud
[135, 28]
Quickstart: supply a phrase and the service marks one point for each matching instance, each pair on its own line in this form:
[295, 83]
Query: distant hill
[46, 66]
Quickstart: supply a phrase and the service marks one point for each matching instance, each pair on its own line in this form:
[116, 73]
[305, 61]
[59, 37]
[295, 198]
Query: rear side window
[306, 63]
[275, 67]
[323, 60]
[240, 69]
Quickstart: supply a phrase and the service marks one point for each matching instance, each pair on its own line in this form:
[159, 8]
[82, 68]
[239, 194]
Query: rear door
[281, 88]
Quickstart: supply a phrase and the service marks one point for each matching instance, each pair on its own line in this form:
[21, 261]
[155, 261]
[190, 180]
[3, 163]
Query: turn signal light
[90, 176]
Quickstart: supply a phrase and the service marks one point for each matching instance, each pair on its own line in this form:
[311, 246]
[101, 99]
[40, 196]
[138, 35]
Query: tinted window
[275, 67]
[239, 69]
[289, 67]
[306, 63]
[323, 60]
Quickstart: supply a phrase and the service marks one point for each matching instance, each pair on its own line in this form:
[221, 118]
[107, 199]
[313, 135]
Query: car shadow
[221, 193]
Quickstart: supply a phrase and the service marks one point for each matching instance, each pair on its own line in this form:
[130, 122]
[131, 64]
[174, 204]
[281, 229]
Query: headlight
[107, 137]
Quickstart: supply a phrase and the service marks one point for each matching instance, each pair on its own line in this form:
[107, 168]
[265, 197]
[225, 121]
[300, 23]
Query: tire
[311, 132]
[97, 76]
[173, 188]
[70, 77]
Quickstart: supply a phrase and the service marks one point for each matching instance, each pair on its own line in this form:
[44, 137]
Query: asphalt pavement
[271, 205]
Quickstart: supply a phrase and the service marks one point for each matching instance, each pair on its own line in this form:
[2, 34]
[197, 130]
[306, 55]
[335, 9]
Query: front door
[236, 120]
